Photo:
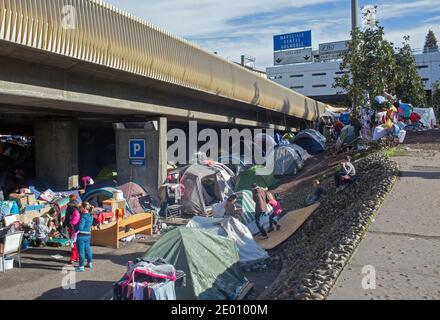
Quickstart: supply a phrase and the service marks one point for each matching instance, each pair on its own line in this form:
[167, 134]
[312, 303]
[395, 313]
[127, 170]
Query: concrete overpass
[64, 60]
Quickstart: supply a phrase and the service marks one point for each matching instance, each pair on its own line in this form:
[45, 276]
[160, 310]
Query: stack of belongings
[29, 207]
[149, 279]
[388, 120]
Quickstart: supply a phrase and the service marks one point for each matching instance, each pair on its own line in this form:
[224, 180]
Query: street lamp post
[354, 14]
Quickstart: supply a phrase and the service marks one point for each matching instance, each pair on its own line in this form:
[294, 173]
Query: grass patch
[395, 152]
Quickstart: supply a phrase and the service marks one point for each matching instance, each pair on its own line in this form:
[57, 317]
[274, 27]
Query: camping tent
[246, 203]
[246, 178]
[136, 197]
[107, 173]
[233, 229]
[347, 137]
[311, 140]
[203, 186]
[211, 263]
[234, 163]
[428, 116]
[286, 160]
[300, 151]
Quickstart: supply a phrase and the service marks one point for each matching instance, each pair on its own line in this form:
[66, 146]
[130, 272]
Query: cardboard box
[23, 200]
[112, 205]
[31, 199]
[31, 215]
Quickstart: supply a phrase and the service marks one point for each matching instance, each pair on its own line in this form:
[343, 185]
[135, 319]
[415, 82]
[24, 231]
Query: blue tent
[311, 140]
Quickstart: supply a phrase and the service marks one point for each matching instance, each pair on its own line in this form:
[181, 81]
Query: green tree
[409, 85]
[372, 64]
[431, 42]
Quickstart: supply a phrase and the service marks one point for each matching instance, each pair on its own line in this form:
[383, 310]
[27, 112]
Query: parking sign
[137, 149]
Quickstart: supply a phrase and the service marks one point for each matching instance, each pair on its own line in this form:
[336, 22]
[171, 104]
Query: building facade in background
[316, 79]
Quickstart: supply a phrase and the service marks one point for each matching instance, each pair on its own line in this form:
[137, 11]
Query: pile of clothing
[152, 279]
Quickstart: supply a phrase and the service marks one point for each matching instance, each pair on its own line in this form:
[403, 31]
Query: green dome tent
[246, 178]
[211, 263]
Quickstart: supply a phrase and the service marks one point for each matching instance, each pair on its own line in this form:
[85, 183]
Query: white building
[316, 79]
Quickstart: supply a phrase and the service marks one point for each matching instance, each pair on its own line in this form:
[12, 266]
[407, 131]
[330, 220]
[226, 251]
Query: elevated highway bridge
[69, 61]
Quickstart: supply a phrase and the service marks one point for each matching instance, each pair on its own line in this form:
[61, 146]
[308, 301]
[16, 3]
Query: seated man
[345, 176]
[317, 194]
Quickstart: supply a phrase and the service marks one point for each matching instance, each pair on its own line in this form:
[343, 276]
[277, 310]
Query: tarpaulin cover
[246, 203]
[232, 229]
[246, 178]
[311, 140]
[211, 263]
[428, 116]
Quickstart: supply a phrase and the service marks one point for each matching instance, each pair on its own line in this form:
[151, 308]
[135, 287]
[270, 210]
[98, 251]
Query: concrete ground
[403, 244]
[44, 276]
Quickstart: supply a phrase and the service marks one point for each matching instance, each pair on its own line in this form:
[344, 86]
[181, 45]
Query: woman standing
[84, 229]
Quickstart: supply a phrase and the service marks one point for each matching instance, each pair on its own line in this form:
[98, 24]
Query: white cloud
[235, 27]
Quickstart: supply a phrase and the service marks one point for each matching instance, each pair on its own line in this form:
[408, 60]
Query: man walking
[259, 196]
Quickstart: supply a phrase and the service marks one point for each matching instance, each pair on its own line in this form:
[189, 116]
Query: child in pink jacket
[74, 221]
[277, 211]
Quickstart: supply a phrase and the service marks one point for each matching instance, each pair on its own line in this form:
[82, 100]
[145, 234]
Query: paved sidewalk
[403, 244]
[43, 274]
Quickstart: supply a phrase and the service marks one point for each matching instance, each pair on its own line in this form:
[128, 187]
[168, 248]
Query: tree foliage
[409, 85]
[372, 65]
[431, 42]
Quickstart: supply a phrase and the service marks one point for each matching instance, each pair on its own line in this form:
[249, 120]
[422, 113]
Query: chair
[11, 247]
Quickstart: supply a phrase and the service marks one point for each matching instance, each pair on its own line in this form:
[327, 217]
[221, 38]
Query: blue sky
[235, 27]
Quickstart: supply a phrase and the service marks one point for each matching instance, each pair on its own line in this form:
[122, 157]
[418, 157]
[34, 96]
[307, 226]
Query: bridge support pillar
[56, 152]
[141, 153]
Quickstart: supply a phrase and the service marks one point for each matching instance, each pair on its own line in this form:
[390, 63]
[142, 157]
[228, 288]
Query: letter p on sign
[137, 149]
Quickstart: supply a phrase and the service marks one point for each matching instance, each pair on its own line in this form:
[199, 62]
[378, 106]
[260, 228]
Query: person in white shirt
[345, 176]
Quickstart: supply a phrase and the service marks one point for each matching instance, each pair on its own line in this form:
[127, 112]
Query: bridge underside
[40, 83]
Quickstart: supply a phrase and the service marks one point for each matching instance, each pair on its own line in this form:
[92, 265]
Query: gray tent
[203, 186]
[286, 161]
[346, 138]
[211, 263]
[303, 154]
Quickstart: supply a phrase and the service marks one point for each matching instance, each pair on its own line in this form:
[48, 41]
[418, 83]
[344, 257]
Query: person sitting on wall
[346, 175]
